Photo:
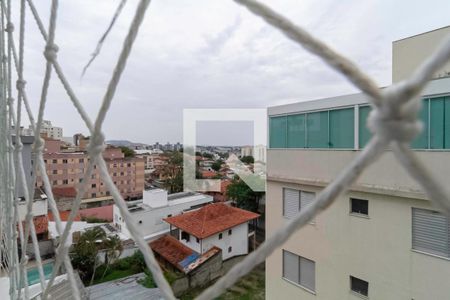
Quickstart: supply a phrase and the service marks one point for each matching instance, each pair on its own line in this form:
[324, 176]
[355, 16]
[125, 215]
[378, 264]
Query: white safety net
[393, 122]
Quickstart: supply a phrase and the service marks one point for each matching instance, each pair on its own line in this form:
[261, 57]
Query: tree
[243, 195]
[173, 172]
[84, 252]
[113, 250]
[207, 155]
[127, 151]
[248, 159]
[217, 165]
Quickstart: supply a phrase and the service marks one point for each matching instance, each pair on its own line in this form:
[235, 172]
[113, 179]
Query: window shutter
[307, 273]
[290, 266]
[430, 232]
[306, 198]
[291, 202]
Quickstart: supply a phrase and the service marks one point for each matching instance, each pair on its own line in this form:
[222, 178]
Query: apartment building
[50, 131]
[66, 169]
[383, 239]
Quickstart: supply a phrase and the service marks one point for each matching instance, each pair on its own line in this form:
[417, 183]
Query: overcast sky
[211, 54]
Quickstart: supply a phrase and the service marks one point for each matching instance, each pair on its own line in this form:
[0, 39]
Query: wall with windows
[237, 240]
[373, 244]
[346, 128]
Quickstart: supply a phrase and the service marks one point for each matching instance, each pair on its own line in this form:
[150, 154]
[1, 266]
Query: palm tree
[113, 249]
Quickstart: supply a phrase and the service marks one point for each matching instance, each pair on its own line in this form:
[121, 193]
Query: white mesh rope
[393, 122]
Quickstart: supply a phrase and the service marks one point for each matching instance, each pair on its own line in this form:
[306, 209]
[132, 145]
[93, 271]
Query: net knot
[39, 144]
[50, 52]
[24, 261]
[96, 144]
[20, 84]
[395, 122]
[9, 27]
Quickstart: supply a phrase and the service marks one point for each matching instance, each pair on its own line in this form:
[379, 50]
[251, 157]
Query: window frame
[358, 214]
[299, 262]
[358, 293]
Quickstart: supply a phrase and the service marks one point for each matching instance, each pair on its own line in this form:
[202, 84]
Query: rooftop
[172, 250]
[211, 219]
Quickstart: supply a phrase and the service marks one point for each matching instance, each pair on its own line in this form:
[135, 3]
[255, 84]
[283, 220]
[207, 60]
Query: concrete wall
[40, 208]
[377, 249]
[409, 53]
[238, 240]
[318, 167]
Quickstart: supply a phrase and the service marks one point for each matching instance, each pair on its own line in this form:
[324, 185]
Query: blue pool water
[33, 274]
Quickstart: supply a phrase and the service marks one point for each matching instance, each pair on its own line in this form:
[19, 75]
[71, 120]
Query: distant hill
[125, 143]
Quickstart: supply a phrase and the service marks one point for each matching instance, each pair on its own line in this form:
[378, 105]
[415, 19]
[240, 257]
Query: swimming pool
[33, 273]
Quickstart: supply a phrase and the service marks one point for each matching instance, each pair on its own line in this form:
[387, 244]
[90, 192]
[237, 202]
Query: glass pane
[290, 266]
[364, 132]
[421, 141]
[317, 129]
[307, 273]
[277, 134]
[447, 122]
[437, 123]
[342, 130]
[296, 131]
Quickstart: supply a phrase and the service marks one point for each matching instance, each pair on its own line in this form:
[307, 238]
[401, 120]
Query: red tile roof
[208, 174]
[64, 216]
[171, 250]
[40, 224]
[211, 219]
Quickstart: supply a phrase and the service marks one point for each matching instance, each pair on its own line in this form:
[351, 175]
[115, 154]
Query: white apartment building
[148, 213]
[383, 239]
[51, 131]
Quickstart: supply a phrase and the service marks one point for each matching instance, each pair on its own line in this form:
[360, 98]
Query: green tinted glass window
[296, 131]
[317, 129]
[447, 123]
[364, 132]
[342, 130]
[277, 132]
[421, 141]
[437, 123]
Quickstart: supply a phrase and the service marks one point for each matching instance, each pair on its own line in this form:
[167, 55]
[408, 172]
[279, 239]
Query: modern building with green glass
[382, 239]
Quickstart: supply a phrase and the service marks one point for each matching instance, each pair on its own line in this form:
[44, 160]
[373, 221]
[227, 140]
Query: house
[216, 224]
[148, 214]
[383, 238]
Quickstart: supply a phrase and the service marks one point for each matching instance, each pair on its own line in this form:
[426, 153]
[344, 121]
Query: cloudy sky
[212, 54]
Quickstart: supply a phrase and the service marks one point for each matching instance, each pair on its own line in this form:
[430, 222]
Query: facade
[156, 205]
[215, 225]
[382, 239]
[66, 169]
[410, 52]
[51, 131]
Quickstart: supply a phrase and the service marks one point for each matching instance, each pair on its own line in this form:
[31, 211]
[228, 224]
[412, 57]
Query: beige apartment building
[66, 170]
[382, 239]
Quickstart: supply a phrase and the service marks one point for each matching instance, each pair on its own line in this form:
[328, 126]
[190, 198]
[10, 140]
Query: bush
[148, 280]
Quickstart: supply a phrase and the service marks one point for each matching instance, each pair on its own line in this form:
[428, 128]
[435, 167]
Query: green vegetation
[127, 151]
[173, 172]
[248, 159]
[217, 165]
[243, 195]
[249, 287]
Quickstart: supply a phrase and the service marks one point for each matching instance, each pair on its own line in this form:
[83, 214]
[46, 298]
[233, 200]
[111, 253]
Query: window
[430, 232]
[55, 161]
[230, 249]
[80, 180]
[299, 270]
[81, 160]
[359, 286]
[55, 182]
[64, 161]
[230, 231]
[197, 240]
[317, 129]
[220, 236]
[93, 195]
[185, 236]
[65, 181]
[296, 132]
[277, 138]
[295, 200]
[93, 185]
[342, 131]
[359, 206]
